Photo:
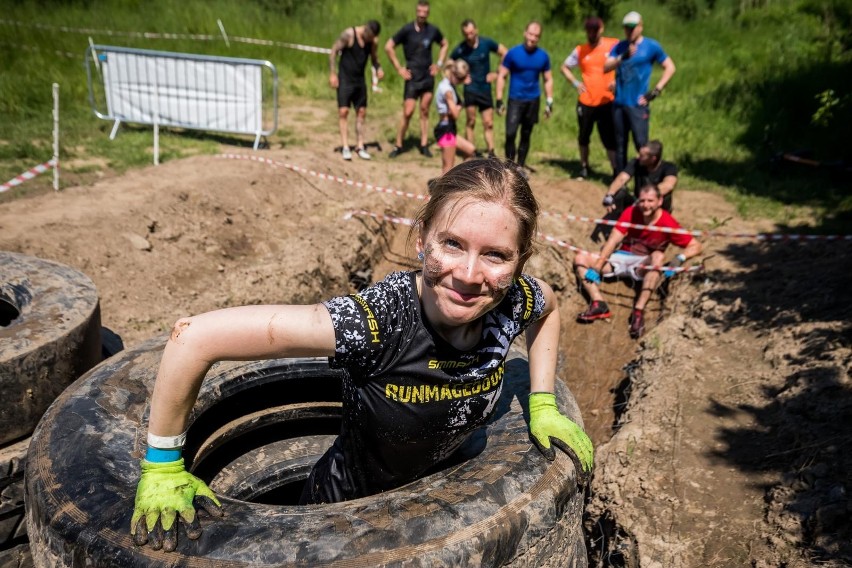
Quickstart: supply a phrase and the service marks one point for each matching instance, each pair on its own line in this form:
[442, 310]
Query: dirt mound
[732, 442]
[734, 449]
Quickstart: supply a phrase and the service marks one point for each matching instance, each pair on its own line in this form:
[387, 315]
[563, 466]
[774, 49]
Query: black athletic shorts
[482, 101]
[523, 113]
[587, 116]
[352, 94]
[415, 89]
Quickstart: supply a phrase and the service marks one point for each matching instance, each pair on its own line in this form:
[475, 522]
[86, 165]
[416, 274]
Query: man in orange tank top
[594, 104]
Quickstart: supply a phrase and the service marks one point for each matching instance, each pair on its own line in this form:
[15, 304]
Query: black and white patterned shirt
[410, 399]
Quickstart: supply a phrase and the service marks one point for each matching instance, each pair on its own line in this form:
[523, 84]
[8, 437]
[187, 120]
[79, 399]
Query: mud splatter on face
[177, 330]
[502, 283]
[432, 268]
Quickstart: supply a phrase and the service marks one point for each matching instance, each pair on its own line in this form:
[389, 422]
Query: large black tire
[54, 338]
[506, 505]
[49, 336]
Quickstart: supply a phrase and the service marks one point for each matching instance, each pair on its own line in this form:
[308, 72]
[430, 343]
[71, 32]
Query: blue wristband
[157, 455]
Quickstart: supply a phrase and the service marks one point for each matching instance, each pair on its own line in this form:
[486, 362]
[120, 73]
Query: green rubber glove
[165, 491]
[548, 426]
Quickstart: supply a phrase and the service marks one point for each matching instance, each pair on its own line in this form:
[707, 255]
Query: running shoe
[597, 310]
[362, 153]
[637, 324]
[425, 151]
[491, 154]
[584, 173]
[395, 151]
[347, 153]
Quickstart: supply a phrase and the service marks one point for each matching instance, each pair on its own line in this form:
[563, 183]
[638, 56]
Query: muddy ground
[723, 436]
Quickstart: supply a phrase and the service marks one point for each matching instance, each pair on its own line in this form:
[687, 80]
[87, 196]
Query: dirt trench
[730, 449]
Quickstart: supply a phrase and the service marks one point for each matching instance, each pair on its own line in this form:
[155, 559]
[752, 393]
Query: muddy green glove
[548, 425]
[165, 491]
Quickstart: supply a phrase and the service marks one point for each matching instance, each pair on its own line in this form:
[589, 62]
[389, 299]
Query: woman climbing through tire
[422, 353]
[449, 108]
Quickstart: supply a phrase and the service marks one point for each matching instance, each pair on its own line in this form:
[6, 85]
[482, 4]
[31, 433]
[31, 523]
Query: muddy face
[470, 260]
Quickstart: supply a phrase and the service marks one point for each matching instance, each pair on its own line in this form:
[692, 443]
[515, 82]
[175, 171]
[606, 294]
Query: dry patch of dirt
[732, 442]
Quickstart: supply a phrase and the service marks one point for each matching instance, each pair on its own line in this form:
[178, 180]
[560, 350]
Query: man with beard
[631, 251]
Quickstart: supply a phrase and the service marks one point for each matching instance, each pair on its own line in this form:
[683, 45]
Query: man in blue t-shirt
[476, 51]
[633, 59]
[526, 63]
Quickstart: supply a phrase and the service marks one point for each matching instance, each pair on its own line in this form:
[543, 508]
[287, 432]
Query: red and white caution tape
[552, 240]
[27, 175]
[379, 217]
[329, 177]
[611, 223]
[756, 236]
[162, 35]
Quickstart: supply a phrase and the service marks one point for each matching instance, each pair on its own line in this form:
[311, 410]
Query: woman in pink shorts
[449, 108]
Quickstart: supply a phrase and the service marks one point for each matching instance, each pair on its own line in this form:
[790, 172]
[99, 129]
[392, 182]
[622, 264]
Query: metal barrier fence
[200, 92]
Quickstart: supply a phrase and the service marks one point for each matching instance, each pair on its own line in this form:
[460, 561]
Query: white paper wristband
[166, 442]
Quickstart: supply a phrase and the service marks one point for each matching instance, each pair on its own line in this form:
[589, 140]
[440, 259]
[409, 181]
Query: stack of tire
[255, 432]
[50, 334]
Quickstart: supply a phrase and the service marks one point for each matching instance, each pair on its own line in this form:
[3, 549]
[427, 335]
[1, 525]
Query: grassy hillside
[752, 81]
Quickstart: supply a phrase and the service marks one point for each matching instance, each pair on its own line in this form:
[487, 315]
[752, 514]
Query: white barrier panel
[182, 92]
[222, 94]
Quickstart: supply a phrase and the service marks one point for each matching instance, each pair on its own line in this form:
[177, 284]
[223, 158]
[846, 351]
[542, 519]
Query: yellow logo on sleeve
[528, 304]
[372, 324]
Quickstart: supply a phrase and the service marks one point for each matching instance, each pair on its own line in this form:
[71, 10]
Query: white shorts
[626, 264]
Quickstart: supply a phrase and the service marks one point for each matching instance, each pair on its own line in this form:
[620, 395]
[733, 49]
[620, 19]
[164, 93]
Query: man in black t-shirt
[355, 45]
[648, 169]
[417, 38]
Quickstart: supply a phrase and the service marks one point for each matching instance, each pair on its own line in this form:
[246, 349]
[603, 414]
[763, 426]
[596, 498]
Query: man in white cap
[633, 59]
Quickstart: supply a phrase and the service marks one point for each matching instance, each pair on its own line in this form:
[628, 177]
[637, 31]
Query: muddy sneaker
[584, 173]
[347, 153]
[362, 153]
[597, 310]
[637, 324]
[425, 151]
[492, 155]
[395, 151]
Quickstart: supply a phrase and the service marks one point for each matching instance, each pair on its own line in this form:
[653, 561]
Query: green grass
[746, 88]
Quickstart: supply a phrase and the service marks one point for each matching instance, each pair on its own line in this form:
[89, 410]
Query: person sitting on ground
[449, 108]
[354, 46]
[466, 303]
[629, 252]
[648, 168]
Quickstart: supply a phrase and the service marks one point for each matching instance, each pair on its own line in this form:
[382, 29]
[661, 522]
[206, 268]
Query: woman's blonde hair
[458, 67]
